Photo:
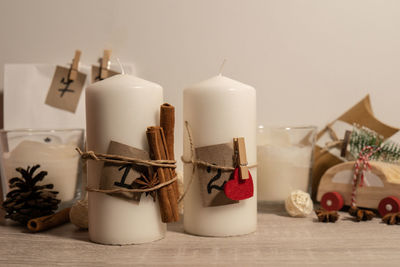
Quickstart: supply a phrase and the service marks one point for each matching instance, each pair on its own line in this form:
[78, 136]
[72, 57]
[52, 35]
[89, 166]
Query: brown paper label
[212, 180]
[64, 93]
[116, 176]
[96, 73]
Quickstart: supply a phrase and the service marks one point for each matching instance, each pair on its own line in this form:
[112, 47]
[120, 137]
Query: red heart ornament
[239, 189]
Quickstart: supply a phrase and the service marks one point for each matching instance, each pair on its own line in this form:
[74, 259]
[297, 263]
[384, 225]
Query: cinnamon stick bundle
[167, 122]
[49, 221]
[167, 197]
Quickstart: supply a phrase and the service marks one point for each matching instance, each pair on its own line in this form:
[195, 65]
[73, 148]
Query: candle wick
[120, 66]
[222, 67]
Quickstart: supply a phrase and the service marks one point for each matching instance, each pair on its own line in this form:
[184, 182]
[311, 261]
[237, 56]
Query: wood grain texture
[367, 196]
[279, 240]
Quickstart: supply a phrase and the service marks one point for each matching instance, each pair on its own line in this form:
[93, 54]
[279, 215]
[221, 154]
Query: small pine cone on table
[28, 200]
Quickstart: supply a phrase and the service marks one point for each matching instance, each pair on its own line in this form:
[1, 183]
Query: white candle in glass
[284, 158]
[60, 161]
[120, 108]
[218, 110]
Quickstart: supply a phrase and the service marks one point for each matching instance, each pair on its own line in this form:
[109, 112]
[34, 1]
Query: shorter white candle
[60, 161]
[284, 165]
[218, 110]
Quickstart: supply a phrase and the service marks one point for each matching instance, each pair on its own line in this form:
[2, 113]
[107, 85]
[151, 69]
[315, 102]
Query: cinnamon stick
[166, 195]
[167, 122]
[49, 221]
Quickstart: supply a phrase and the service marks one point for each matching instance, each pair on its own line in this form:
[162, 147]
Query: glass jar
[53, 149]
[284, 156]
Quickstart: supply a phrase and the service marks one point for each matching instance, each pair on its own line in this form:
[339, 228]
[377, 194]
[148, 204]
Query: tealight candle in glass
[54, 150]
[284, 158]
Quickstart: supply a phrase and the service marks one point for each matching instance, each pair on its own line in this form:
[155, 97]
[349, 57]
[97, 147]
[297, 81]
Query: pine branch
[361, 137]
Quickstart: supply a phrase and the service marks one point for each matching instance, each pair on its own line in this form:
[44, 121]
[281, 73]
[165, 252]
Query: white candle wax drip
[218, 110]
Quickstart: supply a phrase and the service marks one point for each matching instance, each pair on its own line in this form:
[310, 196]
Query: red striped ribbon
[361, 164]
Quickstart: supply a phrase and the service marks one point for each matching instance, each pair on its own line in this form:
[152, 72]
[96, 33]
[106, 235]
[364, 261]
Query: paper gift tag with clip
[66, 86]
[117, 176]
[212, 180]
[241, 186]
[103, 71]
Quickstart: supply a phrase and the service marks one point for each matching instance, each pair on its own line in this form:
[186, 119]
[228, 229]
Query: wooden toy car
[380, 190]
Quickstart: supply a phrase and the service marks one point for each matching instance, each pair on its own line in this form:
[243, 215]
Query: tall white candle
[218, 110]
[120, 108]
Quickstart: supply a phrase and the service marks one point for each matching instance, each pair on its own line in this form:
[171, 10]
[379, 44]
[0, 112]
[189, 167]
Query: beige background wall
[309, 60]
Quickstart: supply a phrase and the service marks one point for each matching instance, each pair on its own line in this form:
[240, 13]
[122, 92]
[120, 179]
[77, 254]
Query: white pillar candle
[120, 108]
[60, 161]
[218, 110]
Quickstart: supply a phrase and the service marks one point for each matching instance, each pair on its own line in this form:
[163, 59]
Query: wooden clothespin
[240, 150]
[345, 143]
[73, 72]
[105, 64]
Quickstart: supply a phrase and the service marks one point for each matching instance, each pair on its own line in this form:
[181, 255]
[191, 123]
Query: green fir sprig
[362, 136]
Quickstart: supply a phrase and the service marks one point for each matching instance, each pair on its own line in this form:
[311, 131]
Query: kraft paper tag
[64, 93]
[212, 180]
[115, 176]
[96, 73]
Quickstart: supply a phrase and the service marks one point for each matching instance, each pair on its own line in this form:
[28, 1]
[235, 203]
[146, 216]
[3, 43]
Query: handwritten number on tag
[122, 183]
[67, 83]
[210, 185]
[98, 78]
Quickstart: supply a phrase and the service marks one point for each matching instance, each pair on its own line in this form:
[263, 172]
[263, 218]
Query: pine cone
[27, 200]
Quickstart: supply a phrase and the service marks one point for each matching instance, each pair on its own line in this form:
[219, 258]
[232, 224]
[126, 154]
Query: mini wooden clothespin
[345, 143]
[73, 72]
[240, 150]
[105, 64]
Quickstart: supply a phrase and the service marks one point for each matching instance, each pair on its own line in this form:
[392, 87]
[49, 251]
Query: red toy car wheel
[388, 205]
[332, 201]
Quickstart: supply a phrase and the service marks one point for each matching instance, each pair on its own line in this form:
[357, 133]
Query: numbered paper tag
[96, 73]
[64, 93]
[115, 176]
[212, 180]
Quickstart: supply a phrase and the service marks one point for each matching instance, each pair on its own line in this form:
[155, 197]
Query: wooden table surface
[279, 240]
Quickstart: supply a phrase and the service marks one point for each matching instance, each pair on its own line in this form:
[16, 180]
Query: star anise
[392, 218]
[144, 182]
[361, 214]
[326, 215]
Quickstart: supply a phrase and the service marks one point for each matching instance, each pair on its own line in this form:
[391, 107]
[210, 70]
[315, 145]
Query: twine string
[117, 159]
[125, 160]
[133, 190]
[196, 162]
